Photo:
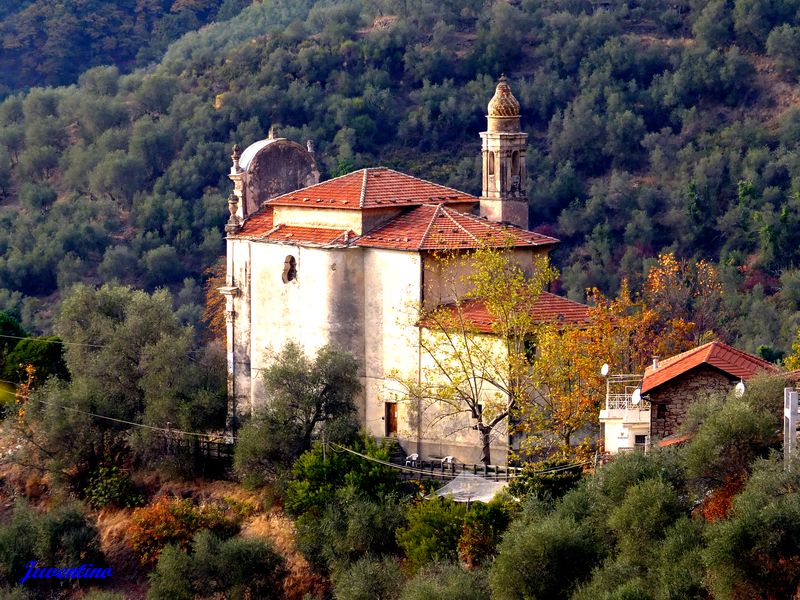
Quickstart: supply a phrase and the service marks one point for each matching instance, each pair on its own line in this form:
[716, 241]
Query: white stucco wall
[620, 428]
[392, 293]
[323, 305]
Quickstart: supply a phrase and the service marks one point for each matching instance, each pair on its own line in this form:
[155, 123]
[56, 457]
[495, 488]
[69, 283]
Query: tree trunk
[486, 441]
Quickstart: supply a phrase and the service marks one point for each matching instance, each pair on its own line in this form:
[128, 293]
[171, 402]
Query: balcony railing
[623, 402]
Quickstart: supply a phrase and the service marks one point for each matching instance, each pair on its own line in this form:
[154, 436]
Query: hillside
[654, 127]
[52, 43]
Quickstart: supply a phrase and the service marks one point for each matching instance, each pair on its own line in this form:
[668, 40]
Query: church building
[348, 262]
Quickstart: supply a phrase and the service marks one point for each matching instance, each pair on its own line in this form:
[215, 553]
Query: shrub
[755, 552]
[640, 520]
[543, 559]
[111, 486]
[434, 528]
[555, 484]
[447, 581]
[234, 568]
[317, 474]
[484, 524]
[174, 521]
[62, 536]
[351, 527]
[370, 579]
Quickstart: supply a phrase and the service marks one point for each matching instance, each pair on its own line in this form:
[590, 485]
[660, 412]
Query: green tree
[116, 359]
[446, 581]
[370, 579]
[45, 355]
[754, 553]
[306, 398]
[434, 528]
[234, 568]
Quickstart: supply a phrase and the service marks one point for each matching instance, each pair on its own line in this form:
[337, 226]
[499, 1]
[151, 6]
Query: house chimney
[655, 363]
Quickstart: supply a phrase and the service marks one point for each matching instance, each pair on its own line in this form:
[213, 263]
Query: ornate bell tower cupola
[503, 198]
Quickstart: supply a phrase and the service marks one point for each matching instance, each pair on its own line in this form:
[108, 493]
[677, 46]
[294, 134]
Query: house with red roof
[673, 384]
[667, 389]
[348, 261]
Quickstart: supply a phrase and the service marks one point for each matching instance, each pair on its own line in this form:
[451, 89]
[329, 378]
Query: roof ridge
[308, 187]
[743, 354]
[363, 189]
[681, 355]
[483, 221]
[454, 220]
[546, 293]
[424, 237]
[447, 187]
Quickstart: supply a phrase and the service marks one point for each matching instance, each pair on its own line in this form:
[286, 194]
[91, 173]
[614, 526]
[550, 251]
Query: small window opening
[491, 163]
[515, 163]
[289, 269]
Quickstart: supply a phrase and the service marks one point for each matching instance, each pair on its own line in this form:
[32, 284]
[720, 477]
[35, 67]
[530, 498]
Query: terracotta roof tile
[716, 354]
[437, 227]
[298, 236]
[376, 187]
[259, 224]
[547, 308]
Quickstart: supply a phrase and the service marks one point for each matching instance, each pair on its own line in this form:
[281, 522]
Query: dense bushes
[61, 537]
[119, 338]
[233, 568]
[434, 528]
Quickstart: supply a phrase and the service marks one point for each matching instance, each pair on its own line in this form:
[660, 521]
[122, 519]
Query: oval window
[289, 269]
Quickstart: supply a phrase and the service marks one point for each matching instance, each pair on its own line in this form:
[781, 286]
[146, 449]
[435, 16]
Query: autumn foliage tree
[684, 290]
[624, 332]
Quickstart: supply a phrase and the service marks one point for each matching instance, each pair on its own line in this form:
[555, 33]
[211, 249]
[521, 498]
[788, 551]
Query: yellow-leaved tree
[475, 364]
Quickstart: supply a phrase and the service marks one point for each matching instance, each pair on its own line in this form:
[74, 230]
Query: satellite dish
[604, 370]
[739, 389]
[636, 397]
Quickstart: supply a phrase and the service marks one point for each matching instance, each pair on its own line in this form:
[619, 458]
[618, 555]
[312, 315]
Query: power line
[208, 435]
[114, 419]
[46, 341]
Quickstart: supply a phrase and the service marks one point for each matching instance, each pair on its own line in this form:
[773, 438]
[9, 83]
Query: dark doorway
[391, 419]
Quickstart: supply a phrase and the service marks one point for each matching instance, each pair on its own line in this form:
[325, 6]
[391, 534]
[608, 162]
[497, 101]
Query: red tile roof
[716, 354]
[258, 224]
[547, 308]
[377, 187]
[304, 236]
[675, 439]
[437, 227]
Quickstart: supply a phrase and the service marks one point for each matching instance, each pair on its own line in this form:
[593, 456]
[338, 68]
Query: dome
[503, 103]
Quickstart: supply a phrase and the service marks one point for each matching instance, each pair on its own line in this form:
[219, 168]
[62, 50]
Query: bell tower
[503, 198]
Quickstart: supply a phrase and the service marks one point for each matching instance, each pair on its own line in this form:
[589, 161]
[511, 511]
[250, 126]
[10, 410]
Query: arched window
[491, 163]
[289, 269]
[515, 163]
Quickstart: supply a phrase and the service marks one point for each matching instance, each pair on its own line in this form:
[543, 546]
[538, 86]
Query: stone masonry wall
[679, 394]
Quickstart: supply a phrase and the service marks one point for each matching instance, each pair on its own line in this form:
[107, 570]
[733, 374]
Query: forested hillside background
[654, 126]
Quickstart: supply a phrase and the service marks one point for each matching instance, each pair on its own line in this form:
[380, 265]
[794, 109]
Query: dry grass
[279, 529]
